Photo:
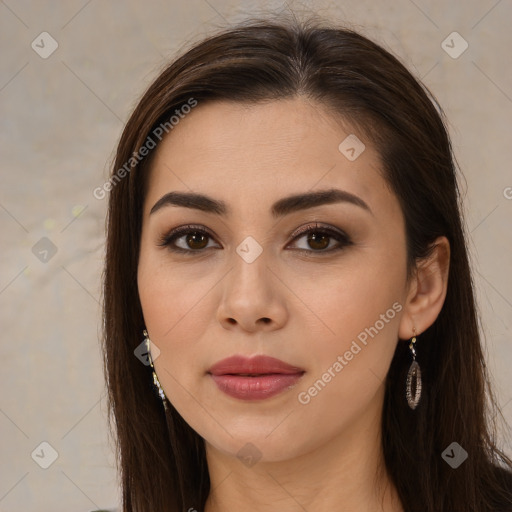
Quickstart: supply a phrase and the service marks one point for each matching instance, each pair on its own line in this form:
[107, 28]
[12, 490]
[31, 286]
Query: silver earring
[156, 382]
[413, 377]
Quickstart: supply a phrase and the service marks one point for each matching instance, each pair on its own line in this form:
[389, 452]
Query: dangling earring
[413, 377]
[156, 382]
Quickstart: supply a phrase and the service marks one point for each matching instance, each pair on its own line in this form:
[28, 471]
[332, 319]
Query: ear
[426, 290]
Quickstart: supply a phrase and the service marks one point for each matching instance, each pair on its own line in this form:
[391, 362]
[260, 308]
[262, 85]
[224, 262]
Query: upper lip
[256, 365]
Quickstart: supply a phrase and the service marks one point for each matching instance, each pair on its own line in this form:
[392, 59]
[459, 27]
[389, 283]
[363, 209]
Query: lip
[254, 378]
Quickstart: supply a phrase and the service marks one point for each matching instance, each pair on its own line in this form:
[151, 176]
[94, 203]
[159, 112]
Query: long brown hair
[162, 460]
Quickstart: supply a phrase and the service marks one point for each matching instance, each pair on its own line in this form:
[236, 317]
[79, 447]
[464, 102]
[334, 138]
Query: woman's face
[329, 304]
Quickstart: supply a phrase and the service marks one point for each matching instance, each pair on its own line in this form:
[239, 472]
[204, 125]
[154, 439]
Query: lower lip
[255, 388]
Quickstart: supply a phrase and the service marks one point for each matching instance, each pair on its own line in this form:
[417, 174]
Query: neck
[347, 473]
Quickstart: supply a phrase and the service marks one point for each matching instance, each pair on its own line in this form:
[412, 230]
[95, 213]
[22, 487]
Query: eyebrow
[280, 208]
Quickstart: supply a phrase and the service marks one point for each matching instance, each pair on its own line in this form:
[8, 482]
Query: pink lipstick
[254, 378]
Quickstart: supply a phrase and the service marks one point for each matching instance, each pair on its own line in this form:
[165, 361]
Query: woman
[287, 260]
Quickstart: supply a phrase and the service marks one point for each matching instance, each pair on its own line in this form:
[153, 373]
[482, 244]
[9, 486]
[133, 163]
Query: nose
[252, 298]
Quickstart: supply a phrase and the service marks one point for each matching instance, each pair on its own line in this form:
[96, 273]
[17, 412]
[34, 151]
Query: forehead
[264, 151]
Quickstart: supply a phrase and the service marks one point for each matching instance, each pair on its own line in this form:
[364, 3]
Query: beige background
[61, 117]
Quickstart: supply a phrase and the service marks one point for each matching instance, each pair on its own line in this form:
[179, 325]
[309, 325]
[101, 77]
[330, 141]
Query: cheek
[347, 378]
[170, 296]
[362, 310]
[353, 296]
[353, 312]
[177, 309]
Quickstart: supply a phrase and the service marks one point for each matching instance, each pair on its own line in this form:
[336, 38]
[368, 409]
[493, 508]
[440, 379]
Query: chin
[255, 445]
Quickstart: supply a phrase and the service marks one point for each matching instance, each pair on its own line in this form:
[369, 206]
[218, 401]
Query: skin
[198, 309]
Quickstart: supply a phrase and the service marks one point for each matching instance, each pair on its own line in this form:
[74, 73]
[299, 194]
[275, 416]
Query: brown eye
[196, 240]
[321, 240]
[318, 241]
[187, 239]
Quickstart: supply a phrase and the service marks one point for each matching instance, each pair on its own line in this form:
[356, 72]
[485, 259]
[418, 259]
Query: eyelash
[168, 239]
